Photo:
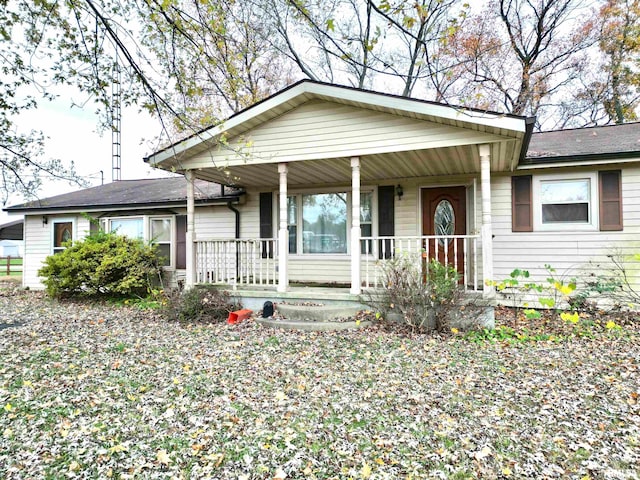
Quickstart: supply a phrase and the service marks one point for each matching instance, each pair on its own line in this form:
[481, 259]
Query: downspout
[529, 123]
[237, 212]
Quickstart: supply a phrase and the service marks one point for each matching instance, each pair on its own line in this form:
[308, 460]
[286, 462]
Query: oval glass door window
[444, 221]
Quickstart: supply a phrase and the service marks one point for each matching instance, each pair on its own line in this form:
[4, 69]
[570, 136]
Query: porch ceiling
[389, 166]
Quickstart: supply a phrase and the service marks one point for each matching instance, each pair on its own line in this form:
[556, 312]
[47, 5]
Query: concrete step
[316, 312]
[310, 326]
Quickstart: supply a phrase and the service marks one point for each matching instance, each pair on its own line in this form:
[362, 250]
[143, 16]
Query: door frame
[470, 186]
[469, 202]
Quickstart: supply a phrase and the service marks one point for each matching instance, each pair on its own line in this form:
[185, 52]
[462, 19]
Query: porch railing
[458, 251]
[237, 262]
[254, 262]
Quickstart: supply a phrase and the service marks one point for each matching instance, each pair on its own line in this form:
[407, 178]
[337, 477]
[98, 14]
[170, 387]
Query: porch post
[283, 232]
[487, 229]
[355, 226]
[190, 279]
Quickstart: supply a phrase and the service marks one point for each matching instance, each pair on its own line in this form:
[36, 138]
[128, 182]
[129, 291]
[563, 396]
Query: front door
[444, 213]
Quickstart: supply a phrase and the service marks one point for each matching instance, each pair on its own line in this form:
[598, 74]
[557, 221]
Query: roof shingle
[610, 139]
[131, 193]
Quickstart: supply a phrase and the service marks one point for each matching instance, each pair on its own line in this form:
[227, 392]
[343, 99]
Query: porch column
[487, 229]
[190, 253]
[283, 232]
[355, 226]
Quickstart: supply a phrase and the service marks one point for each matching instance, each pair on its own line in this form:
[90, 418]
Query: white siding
[215, 222]
[38, 245]
[250, 216]
[320, 269]
[569, 252]
[320, 129]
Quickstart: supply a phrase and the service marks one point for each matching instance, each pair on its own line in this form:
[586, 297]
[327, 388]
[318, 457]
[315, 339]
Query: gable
[321, 129]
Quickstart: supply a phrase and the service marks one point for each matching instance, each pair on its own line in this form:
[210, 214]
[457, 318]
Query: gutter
[580, 158]
[124, 206]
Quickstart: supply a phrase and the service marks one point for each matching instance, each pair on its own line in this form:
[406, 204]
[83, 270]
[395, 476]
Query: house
[338, 178]
[329, 181]
[11, 244]
[10, 248]
[151, 209]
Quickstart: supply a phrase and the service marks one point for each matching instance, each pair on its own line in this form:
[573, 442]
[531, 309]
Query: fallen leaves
[132, 396]
[163, 457]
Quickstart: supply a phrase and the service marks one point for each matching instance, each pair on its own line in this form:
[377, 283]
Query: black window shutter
[266, 222]
[181, 241]
[521, 204]
[386, 218]
[610, 193]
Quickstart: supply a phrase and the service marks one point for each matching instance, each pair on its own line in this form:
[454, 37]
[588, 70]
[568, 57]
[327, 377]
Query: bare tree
[422, 29]
[519, 54]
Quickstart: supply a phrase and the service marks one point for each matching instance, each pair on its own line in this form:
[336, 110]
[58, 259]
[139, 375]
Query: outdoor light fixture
[45, 220]
[399, 191]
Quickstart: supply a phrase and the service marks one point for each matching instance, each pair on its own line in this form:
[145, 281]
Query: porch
[255, 263]
[329, 163]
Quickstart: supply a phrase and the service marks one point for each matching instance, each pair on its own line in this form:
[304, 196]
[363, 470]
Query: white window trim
[53, 235]
[298, 193]
[172, 237]
[592, 225]
[105, 224]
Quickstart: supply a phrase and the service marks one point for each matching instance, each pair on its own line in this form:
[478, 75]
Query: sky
[73, 136]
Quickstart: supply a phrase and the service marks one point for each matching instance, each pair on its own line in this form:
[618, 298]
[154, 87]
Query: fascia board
[228, 124]
[412, 106]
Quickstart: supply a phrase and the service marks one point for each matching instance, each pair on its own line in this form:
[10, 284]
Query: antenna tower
[116, 123]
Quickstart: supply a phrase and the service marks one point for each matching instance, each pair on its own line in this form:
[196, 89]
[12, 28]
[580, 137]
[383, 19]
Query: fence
[10, 266]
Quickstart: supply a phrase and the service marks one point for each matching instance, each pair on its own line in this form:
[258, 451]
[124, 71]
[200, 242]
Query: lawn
[97, 391]
[15, 267]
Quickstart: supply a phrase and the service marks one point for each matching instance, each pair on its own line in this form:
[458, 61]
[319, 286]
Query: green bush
[102, 264]
[199, 304]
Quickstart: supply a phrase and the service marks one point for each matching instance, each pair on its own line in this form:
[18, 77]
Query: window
[161, 236]
[292, 223]
[366, 221]
[444, 221]
[62, 232]
[324, 219]
[129, 227]
[155, 230]
[573, 201]
[565, 201]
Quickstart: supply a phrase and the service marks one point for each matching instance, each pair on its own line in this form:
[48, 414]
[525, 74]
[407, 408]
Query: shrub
[616, 281]
[199, 304]
[102, 264]
[423, 294]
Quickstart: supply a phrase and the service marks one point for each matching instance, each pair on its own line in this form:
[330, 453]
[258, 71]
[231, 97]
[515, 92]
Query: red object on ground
[238, 316]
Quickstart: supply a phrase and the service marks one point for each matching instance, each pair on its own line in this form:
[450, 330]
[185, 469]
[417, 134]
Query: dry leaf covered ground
[112, 392]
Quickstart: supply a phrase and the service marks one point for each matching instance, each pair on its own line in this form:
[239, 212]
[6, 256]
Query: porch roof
[316, 128]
